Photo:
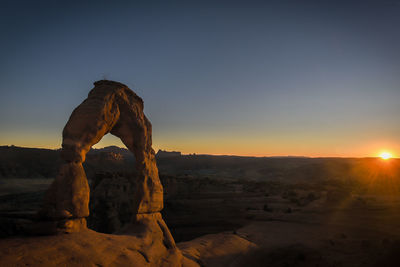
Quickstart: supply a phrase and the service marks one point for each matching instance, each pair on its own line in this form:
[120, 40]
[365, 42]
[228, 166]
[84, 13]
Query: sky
[259, 78]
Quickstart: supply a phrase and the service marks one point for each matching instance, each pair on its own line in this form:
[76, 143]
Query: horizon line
[221, 154]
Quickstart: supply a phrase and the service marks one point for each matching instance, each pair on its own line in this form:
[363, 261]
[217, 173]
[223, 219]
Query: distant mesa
[168, 154]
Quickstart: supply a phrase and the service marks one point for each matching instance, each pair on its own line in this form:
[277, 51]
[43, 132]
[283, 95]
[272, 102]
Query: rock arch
[111, 107]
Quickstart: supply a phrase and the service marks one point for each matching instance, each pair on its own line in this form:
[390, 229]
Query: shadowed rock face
[111, 107]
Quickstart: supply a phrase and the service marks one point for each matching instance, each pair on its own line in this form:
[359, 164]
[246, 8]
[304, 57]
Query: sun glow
[385, 155]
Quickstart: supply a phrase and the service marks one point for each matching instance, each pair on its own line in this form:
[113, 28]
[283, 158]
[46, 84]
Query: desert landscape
[283, 211]
[200, 133]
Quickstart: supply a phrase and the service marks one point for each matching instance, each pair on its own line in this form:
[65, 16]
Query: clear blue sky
[314, 78]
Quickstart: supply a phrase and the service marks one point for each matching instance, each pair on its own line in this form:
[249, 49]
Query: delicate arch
[111, 107]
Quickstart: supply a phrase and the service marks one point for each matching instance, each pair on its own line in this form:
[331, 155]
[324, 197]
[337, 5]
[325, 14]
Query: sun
[385, 155]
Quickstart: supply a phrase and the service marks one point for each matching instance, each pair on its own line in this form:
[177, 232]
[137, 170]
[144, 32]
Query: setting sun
[385, 155]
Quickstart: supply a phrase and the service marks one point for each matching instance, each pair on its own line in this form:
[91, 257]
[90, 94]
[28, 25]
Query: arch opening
[112, 183]
[109, 140]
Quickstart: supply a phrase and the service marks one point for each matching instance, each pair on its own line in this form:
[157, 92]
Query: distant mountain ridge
[20, 162]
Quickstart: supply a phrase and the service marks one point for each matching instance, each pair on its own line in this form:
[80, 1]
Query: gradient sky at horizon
[261, 78]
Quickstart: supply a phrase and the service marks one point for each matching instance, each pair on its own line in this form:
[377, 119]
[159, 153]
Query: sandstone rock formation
[111, 107]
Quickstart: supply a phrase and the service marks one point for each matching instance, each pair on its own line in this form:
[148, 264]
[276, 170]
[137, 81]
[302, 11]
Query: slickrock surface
[88, 248]
[223, 249]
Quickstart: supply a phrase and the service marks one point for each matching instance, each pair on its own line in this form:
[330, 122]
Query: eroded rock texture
[111, 107]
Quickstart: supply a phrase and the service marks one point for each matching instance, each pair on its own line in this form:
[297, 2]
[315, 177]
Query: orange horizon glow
[233, 145]
[384, 155]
